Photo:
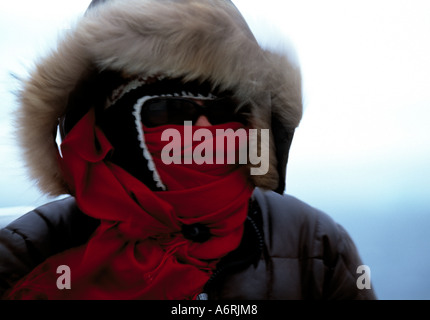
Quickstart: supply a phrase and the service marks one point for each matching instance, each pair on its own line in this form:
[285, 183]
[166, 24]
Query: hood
[204, 40]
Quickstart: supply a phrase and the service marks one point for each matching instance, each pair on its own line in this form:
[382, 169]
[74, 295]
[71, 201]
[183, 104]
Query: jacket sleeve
[333, 266]
[39, 234]
[323, 260]
[345, 274]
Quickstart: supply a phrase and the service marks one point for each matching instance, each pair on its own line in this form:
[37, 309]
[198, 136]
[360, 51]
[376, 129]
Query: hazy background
[362, 151]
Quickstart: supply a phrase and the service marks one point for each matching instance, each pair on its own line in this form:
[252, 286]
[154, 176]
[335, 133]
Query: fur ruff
[197, 40]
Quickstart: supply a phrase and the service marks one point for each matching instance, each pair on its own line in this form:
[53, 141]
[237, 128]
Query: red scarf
[138, 251]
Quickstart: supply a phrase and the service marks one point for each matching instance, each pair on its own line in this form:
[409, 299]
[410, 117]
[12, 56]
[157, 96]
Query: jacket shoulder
[38, 234]
[324, 251]
[51, 222]
[291, 222]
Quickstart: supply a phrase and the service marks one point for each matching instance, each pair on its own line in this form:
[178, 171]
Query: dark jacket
[289, 250]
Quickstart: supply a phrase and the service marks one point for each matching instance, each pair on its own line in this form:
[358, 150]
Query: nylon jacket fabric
[305, 254]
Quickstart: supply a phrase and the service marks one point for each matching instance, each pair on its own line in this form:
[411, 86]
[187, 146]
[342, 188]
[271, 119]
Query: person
[149, 216]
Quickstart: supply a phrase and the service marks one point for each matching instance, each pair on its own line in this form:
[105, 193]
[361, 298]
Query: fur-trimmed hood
[205, 40]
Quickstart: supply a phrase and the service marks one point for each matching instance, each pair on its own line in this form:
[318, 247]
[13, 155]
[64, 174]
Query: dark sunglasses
[175, 110]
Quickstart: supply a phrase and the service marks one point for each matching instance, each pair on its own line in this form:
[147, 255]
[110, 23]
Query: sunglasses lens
[221, 111]
[154, 113]
[162, 111]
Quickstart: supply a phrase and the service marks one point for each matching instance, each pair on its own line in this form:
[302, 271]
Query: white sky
[27, 29]
[366, 88]
[366, 71]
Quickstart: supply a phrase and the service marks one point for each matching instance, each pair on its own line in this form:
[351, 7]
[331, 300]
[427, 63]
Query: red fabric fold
[138, 251]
